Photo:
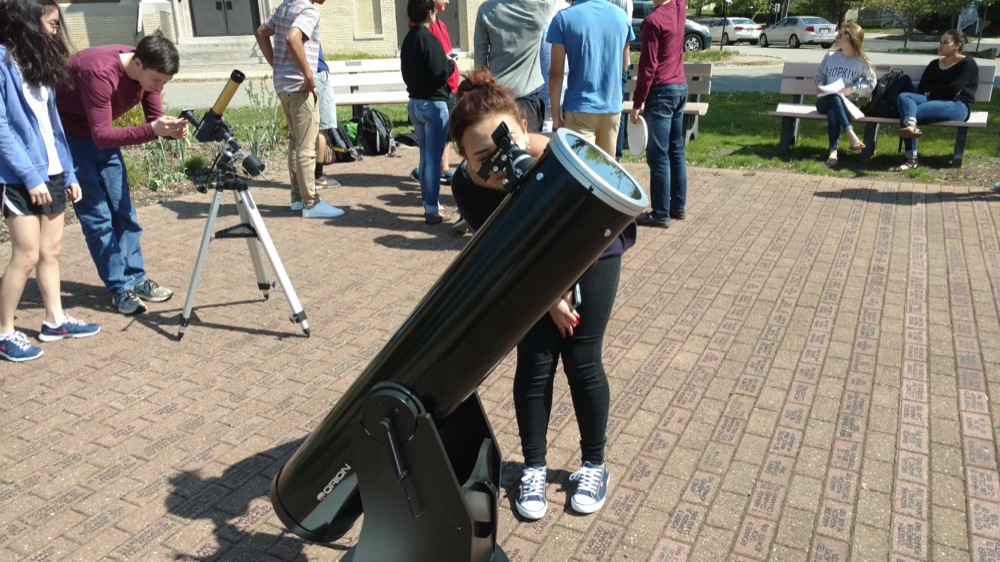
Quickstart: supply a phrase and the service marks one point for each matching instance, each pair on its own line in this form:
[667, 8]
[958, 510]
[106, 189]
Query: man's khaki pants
[599, 128]
[302, 115]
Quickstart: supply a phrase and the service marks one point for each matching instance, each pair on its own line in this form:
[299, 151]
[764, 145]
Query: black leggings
[537, 360]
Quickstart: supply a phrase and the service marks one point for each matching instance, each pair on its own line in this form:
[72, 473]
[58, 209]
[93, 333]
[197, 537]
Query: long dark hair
[42, 57]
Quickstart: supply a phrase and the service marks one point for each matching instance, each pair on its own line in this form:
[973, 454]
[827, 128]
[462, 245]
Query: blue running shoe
[70, 328]
[531, 502]
[16, 347]
[592, 489]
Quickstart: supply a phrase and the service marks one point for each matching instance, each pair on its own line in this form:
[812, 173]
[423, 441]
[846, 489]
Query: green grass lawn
[738, 133]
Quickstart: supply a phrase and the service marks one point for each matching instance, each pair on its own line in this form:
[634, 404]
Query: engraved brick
[642, 473]
[983, 484]
[914, 390]
[688, 396]
[910, 499]
[802, 393]
[984, 518]
[976, 425]
[859, 381]
[686, 522]
[777, 469]
[835, 520]
[786, 442]
[729, 430]
[794, 416]
[971, 379]
[851, 428]
[841, 485]
[973, 401]
[915, 370]
[807, 373]
[622, 506]
[914, 413]
[914, 438]
[626, 405]
[909, 536]
[716, 457]
[600, 542]
[739, 406]
[669, 550]
[702, 488]
[826, 549]
[754, 538]
[660, 444]
[913, 467]
[766, 500]
[985, 550]
[856, 403]
[675, 420]
[846, 455]
[980, 453]
[748, 385]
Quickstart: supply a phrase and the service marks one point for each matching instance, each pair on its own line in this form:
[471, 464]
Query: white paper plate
[636, 136]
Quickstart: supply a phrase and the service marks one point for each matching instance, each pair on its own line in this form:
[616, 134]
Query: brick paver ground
[803, 369]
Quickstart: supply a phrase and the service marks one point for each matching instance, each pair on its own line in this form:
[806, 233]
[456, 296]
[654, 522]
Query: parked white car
[733, 30]
[800, 30]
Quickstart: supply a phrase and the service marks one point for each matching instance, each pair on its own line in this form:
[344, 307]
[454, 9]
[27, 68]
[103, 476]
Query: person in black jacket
[946, 92]
[426, 69]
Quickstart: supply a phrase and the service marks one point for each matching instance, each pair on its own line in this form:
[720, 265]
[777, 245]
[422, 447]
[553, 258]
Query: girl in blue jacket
[36, 170]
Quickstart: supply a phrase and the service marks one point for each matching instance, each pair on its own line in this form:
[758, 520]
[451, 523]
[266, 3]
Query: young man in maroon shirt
[109, 81]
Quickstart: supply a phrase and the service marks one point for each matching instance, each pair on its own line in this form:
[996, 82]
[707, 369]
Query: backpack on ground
[886, 93]
[340, 143]
[375, 132]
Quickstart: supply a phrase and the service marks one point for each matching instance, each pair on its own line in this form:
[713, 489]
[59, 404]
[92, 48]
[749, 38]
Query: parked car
[800, 30]
[696, 36]
[733, 30]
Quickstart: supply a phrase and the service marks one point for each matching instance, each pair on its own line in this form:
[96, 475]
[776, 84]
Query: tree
[912, 10]
[833, 10]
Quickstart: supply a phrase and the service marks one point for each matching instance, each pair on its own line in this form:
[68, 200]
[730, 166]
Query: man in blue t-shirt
[594, 35]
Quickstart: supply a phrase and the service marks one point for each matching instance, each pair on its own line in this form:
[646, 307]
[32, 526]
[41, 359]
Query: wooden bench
[383, 74]
[797, 81]
[699, 81]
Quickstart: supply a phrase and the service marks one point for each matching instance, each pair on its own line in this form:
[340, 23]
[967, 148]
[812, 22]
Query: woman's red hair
[479, 96]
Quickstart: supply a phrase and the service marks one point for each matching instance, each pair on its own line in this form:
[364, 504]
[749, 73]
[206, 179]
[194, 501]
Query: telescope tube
[574, 202]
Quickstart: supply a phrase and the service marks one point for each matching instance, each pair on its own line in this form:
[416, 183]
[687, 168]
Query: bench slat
[362, 66]
[796, 74]
[367, 98]
[978, 119]
[371, 79]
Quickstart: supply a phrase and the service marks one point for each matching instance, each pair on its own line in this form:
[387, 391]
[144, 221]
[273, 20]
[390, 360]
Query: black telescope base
[429, 491]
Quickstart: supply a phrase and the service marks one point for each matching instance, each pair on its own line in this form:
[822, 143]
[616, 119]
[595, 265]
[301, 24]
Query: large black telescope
[567, 209]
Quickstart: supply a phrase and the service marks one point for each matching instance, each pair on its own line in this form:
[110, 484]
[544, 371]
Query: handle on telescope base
[450, 470]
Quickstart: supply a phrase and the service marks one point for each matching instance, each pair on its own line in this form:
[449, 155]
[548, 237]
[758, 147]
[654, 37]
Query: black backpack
[341, 145]
[375, 132]
[886, 93]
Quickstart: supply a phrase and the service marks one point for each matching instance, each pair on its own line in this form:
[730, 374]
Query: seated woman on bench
[848, 62]
[947, 89]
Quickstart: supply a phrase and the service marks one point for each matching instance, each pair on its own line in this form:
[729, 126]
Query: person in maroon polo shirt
[109, 81]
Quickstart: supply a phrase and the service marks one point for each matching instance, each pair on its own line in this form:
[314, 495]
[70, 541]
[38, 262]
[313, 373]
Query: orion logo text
[333, 483]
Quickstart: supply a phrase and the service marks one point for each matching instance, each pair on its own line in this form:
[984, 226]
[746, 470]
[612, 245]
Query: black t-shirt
[957, 82]
[425, 66]
[476, 203]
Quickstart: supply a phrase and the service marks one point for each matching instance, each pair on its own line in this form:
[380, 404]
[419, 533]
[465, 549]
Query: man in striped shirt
[294, 56]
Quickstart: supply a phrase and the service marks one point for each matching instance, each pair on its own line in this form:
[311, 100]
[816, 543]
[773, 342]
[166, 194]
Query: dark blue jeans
[107, 215]
[538, 359]
[664, 114]
[917, 106]
[837, 119]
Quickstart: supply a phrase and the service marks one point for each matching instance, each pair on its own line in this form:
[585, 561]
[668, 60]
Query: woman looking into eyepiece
[574, 326]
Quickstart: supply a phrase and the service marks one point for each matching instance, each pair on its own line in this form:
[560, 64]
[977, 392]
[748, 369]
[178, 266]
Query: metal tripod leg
[199, 263]
[258, 265]
[249, 209]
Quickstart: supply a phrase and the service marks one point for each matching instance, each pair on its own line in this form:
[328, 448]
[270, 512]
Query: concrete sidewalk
[803, 369]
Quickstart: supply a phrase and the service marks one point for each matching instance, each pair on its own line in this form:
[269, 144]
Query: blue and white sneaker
[70, 328]
[592, 489]
[531, 502]
[16, 347]
[151, 291]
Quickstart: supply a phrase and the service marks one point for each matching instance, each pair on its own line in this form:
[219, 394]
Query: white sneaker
[296, 205]
[322, 211]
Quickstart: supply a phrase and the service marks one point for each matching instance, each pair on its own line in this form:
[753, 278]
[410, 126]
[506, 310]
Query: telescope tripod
[251, 227]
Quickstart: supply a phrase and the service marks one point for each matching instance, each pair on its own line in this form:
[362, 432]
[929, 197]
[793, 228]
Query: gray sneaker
[127, 303]
[151, 291]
